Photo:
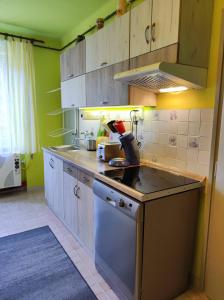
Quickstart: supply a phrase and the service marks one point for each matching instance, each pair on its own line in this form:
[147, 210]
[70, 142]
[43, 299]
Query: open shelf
[59, 111]
[60, 132]
[53, 91]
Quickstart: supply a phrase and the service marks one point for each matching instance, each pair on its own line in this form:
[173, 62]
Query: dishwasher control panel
[115, 198]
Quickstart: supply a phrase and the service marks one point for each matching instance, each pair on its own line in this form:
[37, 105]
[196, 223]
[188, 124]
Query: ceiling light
[174, 89]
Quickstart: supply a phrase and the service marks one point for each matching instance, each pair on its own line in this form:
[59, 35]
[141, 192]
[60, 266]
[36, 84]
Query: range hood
[163, 76]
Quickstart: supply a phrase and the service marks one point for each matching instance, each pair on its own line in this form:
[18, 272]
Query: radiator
[10, 170]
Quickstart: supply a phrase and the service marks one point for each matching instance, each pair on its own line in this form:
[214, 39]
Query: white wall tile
[206, 129]
[164, 115]
[163, 127]
[194, 115]
[147, 125]
[163, 138]
[204, 157]
[192, 155]
[172, 127]
[205, 144]
[193, 142]
[155, 126]
[155, 115]
[182, 141]
[182, 128]
[182, 154]
[172, 140]
[171, 152]
[182, 115]
[207, 115]
[194, 128]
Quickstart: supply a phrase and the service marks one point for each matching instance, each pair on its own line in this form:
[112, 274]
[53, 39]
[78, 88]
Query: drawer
[85, 178]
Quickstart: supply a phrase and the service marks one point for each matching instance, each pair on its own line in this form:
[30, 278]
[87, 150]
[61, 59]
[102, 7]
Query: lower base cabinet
[68, 192]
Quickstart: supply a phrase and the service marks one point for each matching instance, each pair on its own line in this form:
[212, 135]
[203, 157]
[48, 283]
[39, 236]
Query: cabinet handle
[75, 190]
[103, 64]
[104, 102]
[77, 195]
[85, 179]
[153, 32]
[69, 170]
[51, 163]
[147, 39]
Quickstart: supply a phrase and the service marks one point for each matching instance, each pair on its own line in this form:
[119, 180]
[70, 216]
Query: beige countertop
[87, 161]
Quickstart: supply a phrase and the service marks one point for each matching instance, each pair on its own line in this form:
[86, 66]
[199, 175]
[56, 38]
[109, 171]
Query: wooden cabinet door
[165, 23]
[118, 42]
[78, 59]
[73, 92]
[103, 90]
[109, 45]
[140, 38]
[70, 203]
[73, 61]
[85, 211]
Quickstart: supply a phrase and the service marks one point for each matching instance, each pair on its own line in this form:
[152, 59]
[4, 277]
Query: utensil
[119, 126]
[91, 145]
[111, 126]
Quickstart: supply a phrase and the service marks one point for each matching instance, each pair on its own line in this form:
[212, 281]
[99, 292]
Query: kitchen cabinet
[154, 25]
[109, 45]
[103, 90]
[165, 23]
[53, 179]
[70, 199]
[73, 61]
[172, 31]
[140, 29]
[73, 92]
[78, 205]
[85, 210]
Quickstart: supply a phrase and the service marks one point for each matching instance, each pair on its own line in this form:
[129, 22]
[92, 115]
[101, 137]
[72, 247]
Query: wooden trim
[215, 142]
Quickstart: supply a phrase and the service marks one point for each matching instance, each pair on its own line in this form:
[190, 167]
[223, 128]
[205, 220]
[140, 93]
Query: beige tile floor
[27, 210]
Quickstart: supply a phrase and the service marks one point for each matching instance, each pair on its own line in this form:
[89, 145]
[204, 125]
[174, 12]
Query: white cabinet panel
[85, 216]
[70, 203]
[141, 29]
[73, 92]
[165, 22]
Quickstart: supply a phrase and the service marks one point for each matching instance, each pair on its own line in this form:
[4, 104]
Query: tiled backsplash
[175, 138]
[178, 138]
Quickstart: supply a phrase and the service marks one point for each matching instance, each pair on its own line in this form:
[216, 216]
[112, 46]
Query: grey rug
[33, 265]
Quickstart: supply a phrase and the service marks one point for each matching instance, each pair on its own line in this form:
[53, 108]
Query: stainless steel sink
[64, 148]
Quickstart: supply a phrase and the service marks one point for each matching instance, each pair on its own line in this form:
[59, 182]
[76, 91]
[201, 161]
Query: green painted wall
[47, 72]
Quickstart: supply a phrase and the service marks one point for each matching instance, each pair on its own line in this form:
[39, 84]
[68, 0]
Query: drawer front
[85, 178]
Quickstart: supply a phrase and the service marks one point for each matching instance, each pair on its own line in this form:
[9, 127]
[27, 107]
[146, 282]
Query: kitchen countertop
[87, 161]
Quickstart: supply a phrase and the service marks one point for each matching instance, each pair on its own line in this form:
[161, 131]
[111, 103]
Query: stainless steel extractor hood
[163, 76]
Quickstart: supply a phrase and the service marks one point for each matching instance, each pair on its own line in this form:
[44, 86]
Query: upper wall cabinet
[175, 28]
[154, 25]
[73, 92]
[73, 61]
[109, 45]
[103, 90]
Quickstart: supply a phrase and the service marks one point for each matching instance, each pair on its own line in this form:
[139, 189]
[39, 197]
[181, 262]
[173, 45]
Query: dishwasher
[118, 230]
[144, 249]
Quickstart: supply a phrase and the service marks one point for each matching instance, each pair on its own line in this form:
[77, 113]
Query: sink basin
[64, 148]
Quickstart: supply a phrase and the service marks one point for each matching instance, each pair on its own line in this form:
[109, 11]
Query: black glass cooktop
[147, 180]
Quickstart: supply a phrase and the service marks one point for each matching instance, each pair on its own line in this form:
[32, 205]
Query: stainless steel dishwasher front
[118, 236]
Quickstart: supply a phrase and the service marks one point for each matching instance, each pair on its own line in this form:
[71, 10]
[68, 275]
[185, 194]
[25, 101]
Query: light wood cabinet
[154, 25]
[73, 92]
[103, 90]
[109, 45]
[140, 38]
[171, 31]
[53, 179]
[165, 23]
[73, 61]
